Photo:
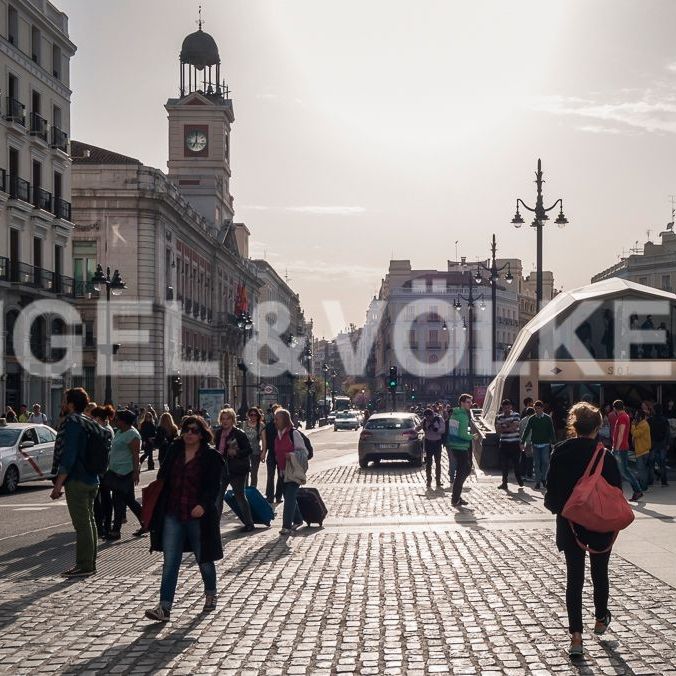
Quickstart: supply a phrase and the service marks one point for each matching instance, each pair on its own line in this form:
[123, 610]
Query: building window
[84, 265]
[56, 61]
[666, 282]
[13, 25]
[36, 44]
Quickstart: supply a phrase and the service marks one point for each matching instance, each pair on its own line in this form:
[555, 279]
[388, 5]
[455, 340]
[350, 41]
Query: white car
[346, 420]
[26, 454]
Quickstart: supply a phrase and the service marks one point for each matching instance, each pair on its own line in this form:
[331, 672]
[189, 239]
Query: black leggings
[575, 558]
[433, 452]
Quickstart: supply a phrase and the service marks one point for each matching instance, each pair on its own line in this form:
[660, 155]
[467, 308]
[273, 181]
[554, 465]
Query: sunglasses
[193, 429]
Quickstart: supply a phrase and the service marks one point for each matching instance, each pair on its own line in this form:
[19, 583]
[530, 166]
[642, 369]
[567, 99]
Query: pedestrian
[670, 411]
[605, 433]
[526, 445]
[433, 427]
[620, 447]
[542, 436]
[124, 472]
[23, 413]
[459, 441]
[640, 433]
[185, 516]
[37, 417]
[80, 484]
[254, 428]
[102, 415]
[148, 432]
[10, 415]
[167, 432]
[287, 440]
[507, 426]
[568, 464]
[273, 492]
[660, 435]
[233, 445]
[527, 403]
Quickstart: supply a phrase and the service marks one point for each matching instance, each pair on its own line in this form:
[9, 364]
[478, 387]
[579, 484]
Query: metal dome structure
[200, 64]
[199, 49]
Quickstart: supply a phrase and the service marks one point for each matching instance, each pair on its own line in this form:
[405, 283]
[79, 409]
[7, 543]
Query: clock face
[196, 141]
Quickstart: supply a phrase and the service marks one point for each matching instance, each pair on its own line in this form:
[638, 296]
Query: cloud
[671, 66]
[254, 207]
[654, 111]
[317, 270]
[598, 129]
[327, 210]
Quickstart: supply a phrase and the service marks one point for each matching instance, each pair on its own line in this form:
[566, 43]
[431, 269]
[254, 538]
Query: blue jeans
[173, 536]
[541, 453]
[643, 467]
[291, 514]
[661, 460]
[622, 458]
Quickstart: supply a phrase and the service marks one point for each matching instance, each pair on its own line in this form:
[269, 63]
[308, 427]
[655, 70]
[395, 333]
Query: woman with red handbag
[570, 463]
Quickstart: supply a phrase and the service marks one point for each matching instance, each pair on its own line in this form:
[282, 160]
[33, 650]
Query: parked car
[346, 420]
[391, 436]
[26, 454]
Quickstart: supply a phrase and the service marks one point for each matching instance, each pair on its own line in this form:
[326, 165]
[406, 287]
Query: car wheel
[416, 462]
[11, 479]
[363, 463]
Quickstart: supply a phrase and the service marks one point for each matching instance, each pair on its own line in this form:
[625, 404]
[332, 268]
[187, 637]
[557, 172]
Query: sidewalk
[398, 582]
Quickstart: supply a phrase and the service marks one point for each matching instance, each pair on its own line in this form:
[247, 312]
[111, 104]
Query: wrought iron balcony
[187, 305]
[15, 111]
[203, 312]
[59, 139]
[62, 209]
[38, 126]
[4, 269]
[42, 199]
[65, 285]
[196, 309]
[3, 180]
[83, 289]
[19, 188]
[21, 273]
[44, 279]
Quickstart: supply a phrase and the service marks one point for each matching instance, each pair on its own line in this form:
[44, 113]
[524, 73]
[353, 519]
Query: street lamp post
[114, 285]
[244, 323]
[309, 383]
[494, 274]
[470, 299]
[325, 371]
[538, 223]
[333, 389]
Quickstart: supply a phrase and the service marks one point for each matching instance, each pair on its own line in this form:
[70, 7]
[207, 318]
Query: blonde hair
[583, 419]
[230, 412]
[282, 412]
[167, 422]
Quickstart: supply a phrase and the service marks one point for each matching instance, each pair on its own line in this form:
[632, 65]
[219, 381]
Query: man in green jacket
[542, 436]
[459, 440]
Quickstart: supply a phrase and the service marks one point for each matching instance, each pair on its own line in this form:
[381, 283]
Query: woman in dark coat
[185, 518]
[567, 465]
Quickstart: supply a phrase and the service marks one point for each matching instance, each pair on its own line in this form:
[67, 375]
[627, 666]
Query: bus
[342, 404]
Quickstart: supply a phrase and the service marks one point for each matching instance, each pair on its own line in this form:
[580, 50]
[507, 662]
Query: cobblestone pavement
[458, 596]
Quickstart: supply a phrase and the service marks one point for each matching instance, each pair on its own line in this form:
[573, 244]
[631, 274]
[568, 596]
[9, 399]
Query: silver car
[26, 454]
[391, 436]
[346, 420]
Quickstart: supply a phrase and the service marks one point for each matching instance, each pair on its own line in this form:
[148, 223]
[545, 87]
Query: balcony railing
[21, 273]
[42, 199]
[203, 312]
[19, 188]
[16, 111]
[210, 316]
[82, 289]
[44, 279]
[170, 293]
[196, 309]
[3, 180]
[187, 305]
[62, 209]
[65, 285]
[59, 139]
[38, 126]
[4, 269]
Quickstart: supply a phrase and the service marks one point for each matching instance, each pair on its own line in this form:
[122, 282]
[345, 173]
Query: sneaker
[247, 529]
[636, 496]
[602, 625]
[296, 526]
[138, 533]
[537, 486]
[77, 572]
[502, 487]
[209, 604]
[285, 531]
[576, 649]
[459, 503]
[158, 614]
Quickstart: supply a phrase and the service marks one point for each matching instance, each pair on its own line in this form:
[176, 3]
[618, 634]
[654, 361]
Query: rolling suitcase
[311, 505]
[261, 510]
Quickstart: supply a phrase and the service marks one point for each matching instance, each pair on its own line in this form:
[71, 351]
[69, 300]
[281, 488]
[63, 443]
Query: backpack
[596, 505]
[306, 441]
[97, 453]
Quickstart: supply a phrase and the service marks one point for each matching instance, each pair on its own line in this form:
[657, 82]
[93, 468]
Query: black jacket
[240, 465]
[567, 465]
[210, 486]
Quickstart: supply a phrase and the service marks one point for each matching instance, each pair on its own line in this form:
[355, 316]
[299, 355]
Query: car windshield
[390, 424]
[8, 437]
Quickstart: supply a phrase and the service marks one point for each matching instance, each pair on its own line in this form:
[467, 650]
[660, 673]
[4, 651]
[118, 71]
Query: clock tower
[199, 130]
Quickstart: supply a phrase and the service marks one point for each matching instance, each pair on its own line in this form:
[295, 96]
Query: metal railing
[44, 279]
[196, 309]
[3, 180]
[19, 188]
[62, 209]
[21, 273]
[42, 199]
[59, 139]
[65, 285]
[4, 269]
[15, 111]
[187, 305]
[82, 289]
[38, 126]
[203, 312]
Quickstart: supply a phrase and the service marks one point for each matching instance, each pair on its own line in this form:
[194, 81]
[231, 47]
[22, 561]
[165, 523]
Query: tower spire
[199, 20]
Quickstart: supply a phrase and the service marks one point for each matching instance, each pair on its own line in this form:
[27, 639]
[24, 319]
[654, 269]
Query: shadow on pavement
[10, 611]
[156, 653]
[39, 559]
[617, 662]
[651, 512]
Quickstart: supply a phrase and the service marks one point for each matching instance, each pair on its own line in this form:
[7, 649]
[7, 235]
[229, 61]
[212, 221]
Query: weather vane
[200, 23]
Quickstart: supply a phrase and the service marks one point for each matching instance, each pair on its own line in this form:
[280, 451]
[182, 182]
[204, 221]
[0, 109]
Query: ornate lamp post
[309, 384]
[114, 285]
[333, 389]
[493, 276]
[538, 223]
[245, 325]
[325, 371]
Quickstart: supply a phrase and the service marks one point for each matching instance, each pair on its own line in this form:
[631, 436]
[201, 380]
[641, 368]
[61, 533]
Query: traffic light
[392, 382]
[412, 395]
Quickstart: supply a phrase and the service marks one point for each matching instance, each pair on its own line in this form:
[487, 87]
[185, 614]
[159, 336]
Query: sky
[379, 129]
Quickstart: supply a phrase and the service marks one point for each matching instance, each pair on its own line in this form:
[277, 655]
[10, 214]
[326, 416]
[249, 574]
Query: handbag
[149, 497]
[596, 505]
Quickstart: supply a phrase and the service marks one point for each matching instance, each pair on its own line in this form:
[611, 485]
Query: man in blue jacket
[81, 486]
